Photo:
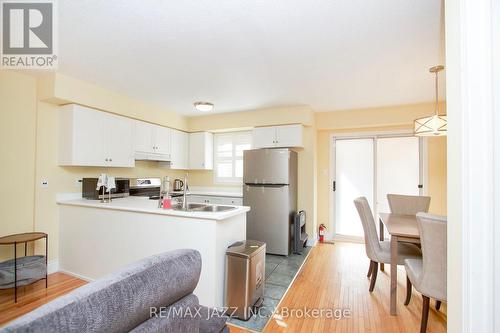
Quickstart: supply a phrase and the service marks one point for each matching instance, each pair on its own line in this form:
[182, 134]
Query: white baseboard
[349, 239]
[53, 266]
[82, 277]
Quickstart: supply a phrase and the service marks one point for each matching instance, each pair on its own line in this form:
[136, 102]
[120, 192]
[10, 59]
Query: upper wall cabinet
[201, 151]
[277, 136]
[180, 150]
[152, 142]
[88, 137]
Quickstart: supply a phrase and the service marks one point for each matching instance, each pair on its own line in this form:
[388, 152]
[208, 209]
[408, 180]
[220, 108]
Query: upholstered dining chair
[428, 275]
[408, 204]
[380, 251]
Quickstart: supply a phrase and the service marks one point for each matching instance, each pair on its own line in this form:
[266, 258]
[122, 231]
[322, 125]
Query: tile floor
[280, 272]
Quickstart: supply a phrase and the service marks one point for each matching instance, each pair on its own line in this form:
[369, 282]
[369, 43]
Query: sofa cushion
[179, 317]
[120, 301]
[212, 321]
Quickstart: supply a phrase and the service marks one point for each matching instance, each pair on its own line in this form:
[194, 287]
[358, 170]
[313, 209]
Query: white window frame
[217, 159]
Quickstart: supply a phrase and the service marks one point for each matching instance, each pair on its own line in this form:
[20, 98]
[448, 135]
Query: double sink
[196, 207]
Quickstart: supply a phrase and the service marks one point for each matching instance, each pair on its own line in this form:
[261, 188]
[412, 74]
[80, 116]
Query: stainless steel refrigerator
[270, 189]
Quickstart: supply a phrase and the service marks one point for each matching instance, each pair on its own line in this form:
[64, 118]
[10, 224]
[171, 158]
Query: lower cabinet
[208, 199]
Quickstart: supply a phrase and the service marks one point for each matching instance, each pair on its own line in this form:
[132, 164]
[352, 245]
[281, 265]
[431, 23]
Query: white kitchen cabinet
[289, 136]
[201, 151]
[235, 201]
[152, 142]
[162, 137]
[88, 137]
[215, 200]
[143, 138]
[278, 136]
[180, 150]
[264, 137]
[120, 141]
[204, 199]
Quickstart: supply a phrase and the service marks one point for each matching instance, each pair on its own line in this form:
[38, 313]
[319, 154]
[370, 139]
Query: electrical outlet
[44, 183]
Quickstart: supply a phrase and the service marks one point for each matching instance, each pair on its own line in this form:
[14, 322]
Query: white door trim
[471, 169]
[496, 166]
[330, 235]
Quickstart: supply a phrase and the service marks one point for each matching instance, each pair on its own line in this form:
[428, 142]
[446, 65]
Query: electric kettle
[178, 185]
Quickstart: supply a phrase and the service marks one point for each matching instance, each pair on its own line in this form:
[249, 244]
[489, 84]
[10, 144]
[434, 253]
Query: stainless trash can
[245, 277]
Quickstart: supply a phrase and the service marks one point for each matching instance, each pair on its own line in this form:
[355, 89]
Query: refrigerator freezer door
[266, 166]
[269, 219]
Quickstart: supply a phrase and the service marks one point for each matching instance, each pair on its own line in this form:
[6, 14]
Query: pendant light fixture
[435, 125]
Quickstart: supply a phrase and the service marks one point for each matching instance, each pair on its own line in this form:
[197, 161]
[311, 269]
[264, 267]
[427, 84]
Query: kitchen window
[228, 156]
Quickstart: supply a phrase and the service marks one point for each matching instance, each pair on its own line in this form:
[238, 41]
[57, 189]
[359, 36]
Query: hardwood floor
[334, 277]
[32, 296]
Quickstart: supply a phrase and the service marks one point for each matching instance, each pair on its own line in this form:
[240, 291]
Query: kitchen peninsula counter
[99, 238]
[144, 205]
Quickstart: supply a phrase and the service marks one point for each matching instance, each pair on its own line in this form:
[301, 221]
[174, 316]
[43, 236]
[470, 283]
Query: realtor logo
[28, 34]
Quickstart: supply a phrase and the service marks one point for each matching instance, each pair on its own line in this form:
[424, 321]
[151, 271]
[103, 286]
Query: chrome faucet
[186, 188]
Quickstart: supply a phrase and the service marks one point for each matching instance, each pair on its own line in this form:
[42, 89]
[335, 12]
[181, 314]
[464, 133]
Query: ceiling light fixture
[435, 125]
[203, 106]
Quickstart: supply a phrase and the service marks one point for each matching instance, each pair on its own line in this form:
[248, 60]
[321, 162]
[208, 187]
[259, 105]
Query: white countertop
[144, 205]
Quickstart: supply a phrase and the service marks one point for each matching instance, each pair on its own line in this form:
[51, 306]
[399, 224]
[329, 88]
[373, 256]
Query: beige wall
[29, 136]
[17, 151]
[401, 115]
[378, 120]
[437, 184]
[61, 89]
[248, 119]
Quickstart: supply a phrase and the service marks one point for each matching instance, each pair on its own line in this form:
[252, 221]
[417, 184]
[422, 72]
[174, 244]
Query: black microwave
[90, 191]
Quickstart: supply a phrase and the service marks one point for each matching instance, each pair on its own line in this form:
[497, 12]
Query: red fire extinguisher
[322, 230]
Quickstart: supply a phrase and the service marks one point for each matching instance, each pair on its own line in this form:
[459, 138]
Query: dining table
[401, 228]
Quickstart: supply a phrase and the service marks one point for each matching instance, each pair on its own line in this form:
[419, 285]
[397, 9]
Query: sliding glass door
[371, 167]
[398, 168]
[354, 176]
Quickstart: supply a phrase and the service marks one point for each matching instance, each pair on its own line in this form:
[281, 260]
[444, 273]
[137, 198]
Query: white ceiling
[241, 55]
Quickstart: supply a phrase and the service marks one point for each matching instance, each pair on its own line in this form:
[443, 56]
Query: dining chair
[428, 275]
[380, 251]
[408, 204]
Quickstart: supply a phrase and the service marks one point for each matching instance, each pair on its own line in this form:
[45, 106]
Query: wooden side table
[25, 238]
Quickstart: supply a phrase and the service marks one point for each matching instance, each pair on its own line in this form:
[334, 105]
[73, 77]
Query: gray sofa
[154, 294]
